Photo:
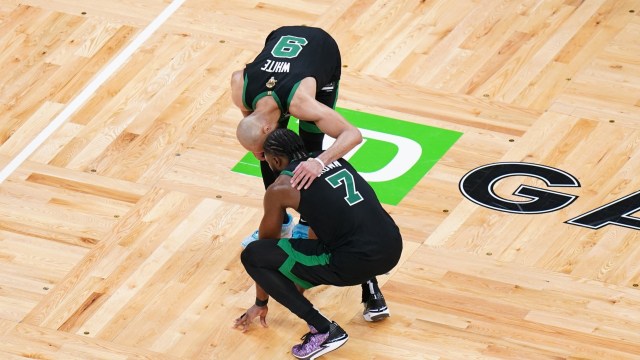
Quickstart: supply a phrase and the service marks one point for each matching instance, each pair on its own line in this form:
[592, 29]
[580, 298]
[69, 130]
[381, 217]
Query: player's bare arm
[237, 83]
[305, 106]
[278, 197]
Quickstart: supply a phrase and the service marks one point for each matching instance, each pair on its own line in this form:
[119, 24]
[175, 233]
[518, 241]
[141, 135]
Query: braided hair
[284, 142]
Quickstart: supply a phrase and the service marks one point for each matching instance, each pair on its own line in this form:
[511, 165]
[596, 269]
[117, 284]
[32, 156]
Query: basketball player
[297, 73]
[357, 240]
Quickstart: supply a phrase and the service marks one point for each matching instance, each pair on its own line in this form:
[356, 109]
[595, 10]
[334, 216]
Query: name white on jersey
[276, 66]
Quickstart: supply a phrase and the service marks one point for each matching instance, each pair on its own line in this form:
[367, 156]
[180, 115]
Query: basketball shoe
[285, 232]
[375, 308]
[300, 231]
[315, 344]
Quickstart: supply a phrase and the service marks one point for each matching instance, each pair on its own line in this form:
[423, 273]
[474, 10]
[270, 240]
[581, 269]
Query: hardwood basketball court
[120, 234]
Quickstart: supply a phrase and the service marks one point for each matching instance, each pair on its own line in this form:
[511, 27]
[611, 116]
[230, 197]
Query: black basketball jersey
[344, 211]
[290, 54]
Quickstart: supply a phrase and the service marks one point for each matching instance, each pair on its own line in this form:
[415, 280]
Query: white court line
[88, 91]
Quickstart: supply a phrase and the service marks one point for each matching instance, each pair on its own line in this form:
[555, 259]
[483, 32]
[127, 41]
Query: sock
[369, 289]
[285, 221]
[318, 321]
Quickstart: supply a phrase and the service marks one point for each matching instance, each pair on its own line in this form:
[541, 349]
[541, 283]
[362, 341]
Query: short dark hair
[284, 142]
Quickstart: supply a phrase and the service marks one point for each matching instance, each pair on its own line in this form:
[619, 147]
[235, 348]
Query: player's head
[281, 147]
[252, 132]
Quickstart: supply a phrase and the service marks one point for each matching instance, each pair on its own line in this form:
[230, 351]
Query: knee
[263, 253]
[248, 255]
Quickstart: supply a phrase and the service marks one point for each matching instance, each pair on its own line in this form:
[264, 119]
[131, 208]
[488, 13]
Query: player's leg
[375, 307]
[262, 260]
[269, 263]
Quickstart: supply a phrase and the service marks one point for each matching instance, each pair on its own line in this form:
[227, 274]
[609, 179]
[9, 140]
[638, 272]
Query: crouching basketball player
[357, 240]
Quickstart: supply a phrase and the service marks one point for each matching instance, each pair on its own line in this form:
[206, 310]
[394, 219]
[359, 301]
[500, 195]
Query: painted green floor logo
[393, 156]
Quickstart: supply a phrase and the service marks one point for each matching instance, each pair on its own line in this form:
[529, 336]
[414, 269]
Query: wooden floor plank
[119, 236]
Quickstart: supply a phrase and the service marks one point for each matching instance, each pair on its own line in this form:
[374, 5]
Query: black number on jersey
[288, 46]
[344, 177]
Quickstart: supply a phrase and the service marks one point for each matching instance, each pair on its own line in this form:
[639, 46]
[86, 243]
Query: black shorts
[308, 263]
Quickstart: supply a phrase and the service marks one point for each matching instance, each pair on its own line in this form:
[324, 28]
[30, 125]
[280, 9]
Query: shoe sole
[328, 348]
[376, 316]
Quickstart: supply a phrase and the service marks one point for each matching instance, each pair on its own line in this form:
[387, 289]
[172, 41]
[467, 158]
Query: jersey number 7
[344, 177]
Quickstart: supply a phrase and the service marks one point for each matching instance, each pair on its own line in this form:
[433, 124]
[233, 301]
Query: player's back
[290, 54]
[344, 211]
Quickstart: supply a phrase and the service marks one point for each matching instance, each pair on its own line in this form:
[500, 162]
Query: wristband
[320, 161]
[261, 303]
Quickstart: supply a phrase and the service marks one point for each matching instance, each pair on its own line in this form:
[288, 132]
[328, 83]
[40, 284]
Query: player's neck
[267, 109]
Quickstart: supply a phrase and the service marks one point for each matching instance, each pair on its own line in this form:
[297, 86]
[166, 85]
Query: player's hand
[259, 155]
[246, 319]
[305, 173]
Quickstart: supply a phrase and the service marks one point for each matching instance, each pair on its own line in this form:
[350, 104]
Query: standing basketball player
[297, 73]
[357, 240]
